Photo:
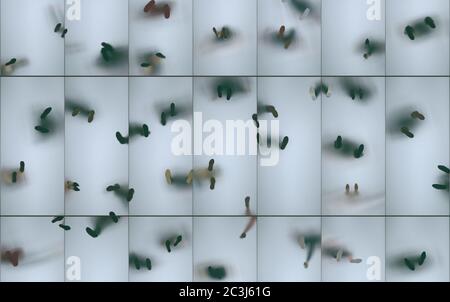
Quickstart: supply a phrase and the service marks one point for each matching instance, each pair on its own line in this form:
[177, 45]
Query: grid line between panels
[385, 148]
[321, 137]
[64, 113]
[128, 145]
[257, 156]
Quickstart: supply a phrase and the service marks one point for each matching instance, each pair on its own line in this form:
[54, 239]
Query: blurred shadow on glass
[17, 257]
[282, 37]
[151, 61]
[411, 261]
[137, 261]
[304, 9]
[405, 122]
[171, 241]
[344, 147]
[171, 111]
[421, 29]
[214, 271]
[122, 191]
[13, 177]
[155, 9]
[48, 123]
[100, 224]
[308, 241]
[112, 56]
[371, 47]
[57, 17]
[228, 87]
[77, 108]
[337, 251]
[357, 90]
[12, 64]
[221, 38]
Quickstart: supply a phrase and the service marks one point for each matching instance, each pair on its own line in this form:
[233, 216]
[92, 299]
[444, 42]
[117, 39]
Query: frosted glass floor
[122, 157]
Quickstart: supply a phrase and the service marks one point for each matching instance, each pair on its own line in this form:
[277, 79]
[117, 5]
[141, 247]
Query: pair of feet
[415, 115]
[138, 262]
[175, 241]
[227, 90]
[441, 186]
[285, 38]
[411, 263]
[411, 32]
[101, 223]
[369, 49]
[15, 174]
[190, 176]
[172, 113]
[152, 8]
[152, 61]
[90, 114]
[72, 185]
[357, 153]
[108, 52]
[61, 225]
[223, 34]
[318, 89]
[43, 127]
[357, 92]
[59, 29]
[117, 188]
[355, 188]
